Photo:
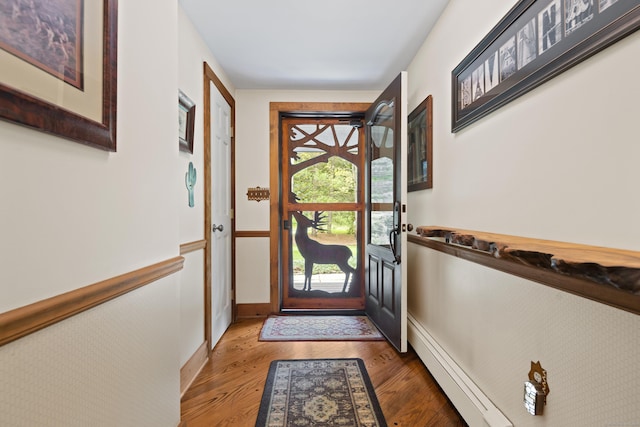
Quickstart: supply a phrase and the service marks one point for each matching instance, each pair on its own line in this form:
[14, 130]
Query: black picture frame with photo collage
[534, 42]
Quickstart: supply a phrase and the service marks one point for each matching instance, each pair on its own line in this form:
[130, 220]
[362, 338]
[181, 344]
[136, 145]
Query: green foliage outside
[334, 181]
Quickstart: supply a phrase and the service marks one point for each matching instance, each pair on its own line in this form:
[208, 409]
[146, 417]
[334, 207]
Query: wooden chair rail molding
[25, 320]
[186, 248]
[610, 276]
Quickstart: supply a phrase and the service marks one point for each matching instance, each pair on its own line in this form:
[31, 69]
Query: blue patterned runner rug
[319, 328]
[319, 393]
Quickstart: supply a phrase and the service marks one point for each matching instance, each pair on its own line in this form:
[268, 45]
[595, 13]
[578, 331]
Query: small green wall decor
[190, 181]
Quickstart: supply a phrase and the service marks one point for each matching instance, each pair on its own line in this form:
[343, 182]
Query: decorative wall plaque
[257, 194]
[190, 182]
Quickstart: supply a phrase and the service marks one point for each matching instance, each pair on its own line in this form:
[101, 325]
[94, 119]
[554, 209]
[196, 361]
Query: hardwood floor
[228, 390]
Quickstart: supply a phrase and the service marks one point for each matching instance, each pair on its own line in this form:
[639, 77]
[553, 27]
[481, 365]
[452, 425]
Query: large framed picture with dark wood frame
[420, 147]
[59, 65]
[534, 42]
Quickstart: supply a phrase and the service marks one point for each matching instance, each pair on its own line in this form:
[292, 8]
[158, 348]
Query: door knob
[217, 227]
[410, 227]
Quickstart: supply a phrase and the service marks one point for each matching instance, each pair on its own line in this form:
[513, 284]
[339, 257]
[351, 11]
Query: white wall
[558, 163]
[252, 170]
[192, 53]
[71, 216]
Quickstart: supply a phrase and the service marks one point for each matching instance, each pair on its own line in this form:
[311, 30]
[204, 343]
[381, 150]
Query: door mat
[319, 328]
[319, 392]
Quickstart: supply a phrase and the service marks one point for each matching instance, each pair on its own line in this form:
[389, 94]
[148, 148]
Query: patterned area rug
[319, 328]
[319, 393]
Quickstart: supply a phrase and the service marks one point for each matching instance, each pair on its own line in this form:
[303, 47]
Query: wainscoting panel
[113, 365]
[474, 406]
[253, 277]
[192, 368]
[192, 305]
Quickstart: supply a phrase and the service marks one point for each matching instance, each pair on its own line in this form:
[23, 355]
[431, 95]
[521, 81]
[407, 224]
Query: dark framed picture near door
[420, 147]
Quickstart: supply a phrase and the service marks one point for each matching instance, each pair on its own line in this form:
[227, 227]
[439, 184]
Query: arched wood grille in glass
[322, 175]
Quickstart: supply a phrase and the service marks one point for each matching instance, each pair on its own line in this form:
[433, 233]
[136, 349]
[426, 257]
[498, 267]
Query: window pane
[325, 251]
[382, 177]
[334, 181]
[324, 160]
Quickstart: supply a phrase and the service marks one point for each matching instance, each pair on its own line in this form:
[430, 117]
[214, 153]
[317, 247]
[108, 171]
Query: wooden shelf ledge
[610, 276]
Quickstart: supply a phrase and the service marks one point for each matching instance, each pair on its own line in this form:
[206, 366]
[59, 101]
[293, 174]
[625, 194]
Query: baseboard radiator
[469, 400]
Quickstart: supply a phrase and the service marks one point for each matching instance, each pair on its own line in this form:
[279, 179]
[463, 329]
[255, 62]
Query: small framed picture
[420, 147]
[186, 122]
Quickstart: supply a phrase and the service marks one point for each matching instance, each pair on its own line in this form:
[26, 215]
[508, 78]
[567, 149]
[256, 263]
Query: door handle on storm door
[217, 228]
[395, 232]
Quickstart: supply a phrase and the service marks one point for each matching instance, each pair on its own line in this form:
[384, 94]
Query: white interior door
[221, 291]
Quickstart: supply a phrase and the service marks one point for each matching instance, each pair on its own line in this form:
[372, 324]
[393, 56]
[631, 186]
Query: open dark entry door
[385, 216]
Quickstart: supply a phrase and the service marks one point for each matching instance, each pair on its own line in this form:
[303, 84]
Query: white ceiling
[305, 44]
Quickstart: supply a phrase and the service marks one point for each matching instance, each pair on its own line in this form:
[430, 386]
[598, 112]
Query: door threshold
[320, 312]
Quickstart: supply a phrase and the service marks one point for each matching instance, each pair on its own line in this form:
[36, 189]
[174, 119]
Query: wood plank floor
[228, 390]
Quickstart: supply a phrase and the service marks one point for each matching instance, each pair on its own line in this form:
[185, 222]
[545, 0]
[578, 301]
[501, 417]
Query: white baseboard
[469, 400]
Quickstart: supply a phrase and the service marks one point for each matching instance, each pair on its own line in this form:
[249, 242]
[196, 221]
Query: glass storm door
[322, 213]
[385, 215]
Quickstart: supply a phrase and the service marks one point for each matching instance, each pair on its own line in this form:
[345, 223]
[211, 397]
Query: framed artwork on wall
[420, 147]
[59, 68]
[186, 122]
[534, 42]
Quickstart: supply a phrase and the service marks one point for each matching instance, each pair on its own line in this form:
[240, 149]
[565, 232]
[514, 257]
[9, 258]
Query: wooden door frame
[276, 109]
[211, 77]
